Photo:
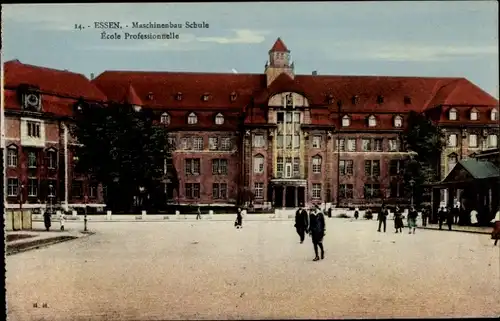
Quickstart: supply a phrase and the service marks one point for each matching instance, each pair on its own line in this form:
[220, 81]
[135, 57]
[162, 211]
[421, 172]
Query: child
[62, 220]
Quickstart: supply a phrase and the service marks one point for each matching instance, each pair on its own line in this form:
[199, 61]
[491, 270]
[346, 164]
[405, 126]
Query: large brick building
[289, 139]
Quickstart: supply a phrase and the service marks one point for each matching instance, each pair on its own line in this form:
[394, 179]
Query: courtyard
[210, 270]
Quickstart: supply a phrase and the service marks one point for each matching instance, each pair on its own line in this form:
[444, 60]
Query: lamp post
[412, 182]
[51, 195]
[85, 199]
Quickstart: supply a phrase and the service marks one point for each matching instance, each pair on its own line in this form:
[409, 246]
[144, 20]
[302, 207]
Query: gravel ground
[209, 270]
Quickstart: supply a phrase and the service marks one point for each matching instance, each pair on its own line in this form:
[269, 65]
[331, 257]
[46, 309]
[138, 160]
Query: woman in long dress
[398, 220]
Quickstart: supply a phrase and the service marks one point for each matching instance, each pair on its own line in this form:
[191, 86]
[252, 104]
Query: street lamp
[412, 182]
[85, 199]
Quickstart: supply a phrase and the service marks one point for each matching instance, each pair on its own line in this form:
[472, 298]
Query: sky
[427, 39]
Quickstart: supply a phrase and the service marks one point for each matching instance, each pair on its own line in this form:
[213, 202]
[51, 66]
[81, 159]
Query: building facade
[287, 139]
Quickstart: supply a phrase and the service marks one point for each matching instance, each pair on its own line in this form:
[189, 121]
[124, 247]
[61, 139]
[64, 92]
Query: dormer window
[205, 97]
[494, 114]
[233, 96]
[452, 114]
[178, 96]
[32, 101]
[407, 100]
[372, 121]
[192, 119]
[474, 115]
[346, 121]
[165, 119]
[380, 99]
[150, 96]
[355, 99]
[398, 121]
[219, 119]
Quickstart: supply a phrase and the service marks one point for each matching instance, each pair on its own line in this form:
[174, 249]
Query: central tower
[279, 62]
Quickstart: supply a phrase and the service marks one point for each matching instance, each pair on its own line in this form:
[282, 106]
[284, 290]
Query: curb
[446, 230]
[46, 244]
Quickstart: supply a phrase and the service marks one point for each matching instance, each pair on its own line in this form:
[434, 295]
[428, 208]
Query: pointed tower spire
[279, 62]
[279, 46]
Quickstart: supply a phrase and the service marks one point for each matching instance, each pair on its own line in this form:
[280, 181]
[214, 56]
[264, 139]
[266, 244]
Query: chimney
[315, 73]
[91, 76]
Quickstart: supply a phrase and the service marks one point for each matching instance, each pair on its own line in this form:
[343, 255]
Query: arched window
[372, 121]
[494, 114]
[492, 141]
[219, 119]
[316, 164]
[51, 158]
[192, 119]
[474, 115]
[452, 114]
[12, 156]
[165, 119]
[346, 121]
[398, 121]
[258, 164]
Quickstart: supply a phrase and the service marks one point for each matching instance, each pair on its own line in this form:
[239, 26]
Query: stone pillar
[296, 196]
[451, 196]
[143, 214]
[108, 215]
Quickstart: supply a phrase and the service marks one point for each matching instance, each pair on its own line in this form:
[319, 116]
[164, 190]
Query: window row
[474, 140]
[192, 119]
[367, 145]
[32, 157]
[205, 97]
[192, 190]
[192, 166]
[372, 121]
[473, 114]
[198, 144]
[34, 184]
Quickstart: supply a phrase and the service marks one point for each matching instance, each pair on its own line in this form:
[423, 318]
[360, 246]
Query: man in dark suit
[301, 223]
[382, 218]
[317, 232]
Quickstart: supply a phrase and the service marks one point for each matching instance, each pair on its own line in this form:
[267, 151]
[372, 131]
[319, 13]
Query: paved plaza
[210, 270]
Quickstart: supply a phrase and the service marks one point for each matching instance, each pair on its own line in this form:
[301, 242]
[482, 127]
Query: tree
[426, 141]
[124, 150]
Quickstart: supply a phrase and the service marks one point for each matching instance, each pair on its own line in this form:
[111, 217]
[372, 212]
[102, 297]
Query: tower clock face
[32, 100]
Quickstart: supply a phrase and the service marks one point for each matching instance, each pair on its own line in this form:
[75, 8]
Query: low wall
[15, 220]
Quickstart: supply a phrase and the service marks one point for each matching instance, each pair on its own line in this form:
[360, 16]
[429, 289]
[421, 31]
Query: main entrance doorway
[288, 196]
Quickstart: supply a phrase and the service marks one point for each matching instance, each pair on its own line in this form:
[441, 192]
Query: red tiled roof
[131, 97]
[50, 81]
[164, 87]
[279, 46]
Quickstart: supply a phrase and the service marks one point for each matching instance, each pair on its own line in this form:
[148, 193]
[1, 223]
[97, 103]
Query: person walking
[412, 220]
[441, 216]
[473, 217]
[449, 218]
[198, 214]
[456, 213]
[239, 219]
[398, 220]
[301, 223]
[46, 220]
[62, 220]
[382, 218]
[425, 215]
[495, 235]
[317, 232]
[356, 213]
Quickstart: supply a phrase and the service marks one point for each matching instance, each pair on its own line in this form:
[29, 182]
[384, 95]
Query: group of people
[47, 220]
[398, 219]
[312, 223]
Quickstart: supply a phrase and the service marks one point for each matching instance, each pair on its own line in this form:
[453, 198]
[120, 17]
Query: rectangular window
[296, 166]
[340, 145]
[367, 145]
[346, 190]
[376, 168]
[393, 145]
[192, 190]
[226, 143]
[185, 143]
[279, 141]
[316, 191]
[346, 167]
[280, 117]
[371, 191]
[378, 144]
[93, 190]
[198, 143]
[279, 166]
[219, 166]
[32, 160]
[259, 190]
[192, 166]
[213, 143]
[368, 168]
[12, 187]
[51, 159]
[351, 145]
[492, 141]
[258, 164]
[296, 118]
[288, 141]
[215, 190]
[172, 144]
[296, 142]
[472, 140]
[452, 140]
[12, 157]
[258, 141]
[316, 165]
[288, 117]
[33, 129]
[77, 189]
[342, 167]
[316, 142]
